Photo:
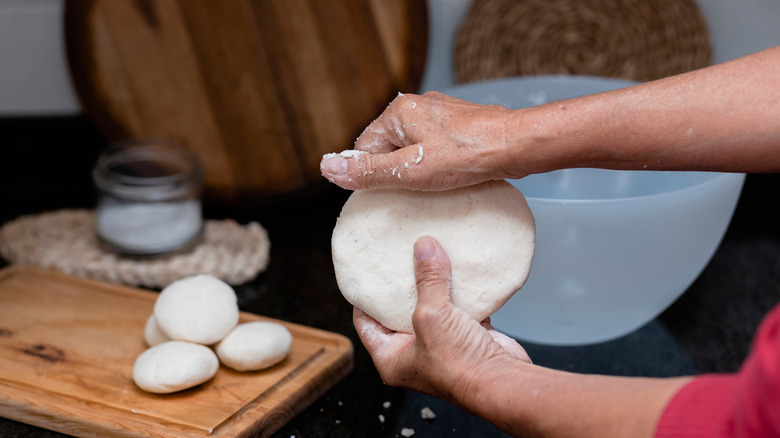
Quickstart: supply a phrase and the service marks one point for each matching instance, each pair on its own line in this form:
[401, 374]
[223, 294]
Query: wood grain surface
[67, 349]
[261, 89]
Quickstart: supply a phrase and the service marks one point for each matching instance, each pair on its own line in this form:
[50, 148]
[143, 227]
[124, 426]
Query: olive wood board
[67, 349]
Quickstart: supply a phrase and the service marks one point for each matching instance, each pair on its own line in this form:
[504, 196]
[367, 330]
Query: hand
[453, 357]
[713, 119]
[428, 142]
[449, 351]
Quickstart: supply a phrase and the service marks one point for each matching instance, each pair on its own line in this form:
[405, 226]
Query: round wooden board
[260, 89]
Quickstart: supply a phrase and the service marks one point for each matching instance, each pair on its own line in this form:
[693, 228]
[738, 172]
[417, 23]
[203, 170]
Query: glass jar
[148, 198]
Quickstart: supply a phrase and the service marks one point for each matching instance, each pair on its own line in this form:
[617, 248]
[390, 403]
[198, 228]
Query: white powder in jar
[149, 227]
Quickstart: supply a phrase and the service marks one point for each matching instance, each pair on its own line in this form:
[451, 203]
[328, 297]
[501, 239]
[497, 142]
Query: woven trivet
[65, 240]
[630, 39]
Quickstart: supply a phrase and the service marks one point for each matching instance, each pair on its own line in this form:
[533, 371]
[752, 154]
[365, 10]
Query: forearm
[528, 400]
[723, 118]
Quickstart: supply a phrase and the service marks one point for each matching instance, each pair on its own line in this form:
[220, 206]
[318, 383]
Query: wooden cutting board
[67, 349]
[261, 89]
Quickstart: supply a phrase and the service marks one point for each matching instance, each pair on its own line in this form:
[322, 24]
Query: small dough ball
[201, 309]
[153, 334]
[254, 346]
[173, 366]
[487, 230]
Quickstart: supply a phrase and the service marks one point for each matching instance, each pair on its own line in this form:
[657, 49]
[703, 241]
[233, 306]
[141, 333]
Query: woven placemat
[630, 39]
[65, 240]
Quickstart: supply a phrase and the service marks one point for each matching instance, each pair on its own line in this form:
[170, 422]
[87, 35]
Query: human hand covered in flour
[448, 350]
[427, 142]
[437, 142]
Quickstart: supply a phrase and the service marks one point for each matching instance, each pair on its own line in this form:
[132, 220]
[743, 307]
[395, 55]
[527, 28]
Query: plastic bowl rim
[568, 78]
[717, 179]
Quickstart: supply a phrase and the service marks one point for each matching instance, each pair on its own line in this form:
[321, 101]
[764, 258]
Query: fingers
[378, 138]
[429, 142]
[433, 273]
[510, 345]
[354, 170]
[398, 149]
[372, 334]
[392, 129]
[380, 342]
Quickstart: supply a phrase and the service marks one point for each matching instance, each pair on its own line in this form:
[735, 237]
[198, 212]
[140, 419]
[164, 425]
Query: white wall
[34, 78]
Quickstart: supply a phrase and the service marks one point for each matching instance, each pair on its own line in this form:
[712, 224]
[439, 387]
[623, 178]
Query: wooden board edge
[330, 365]
[88, 282]
[251, 421]
[17, 404]
[333, 365]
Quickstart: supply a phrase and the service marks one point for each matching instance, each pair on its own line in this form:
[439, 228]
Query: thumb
[432, 271]
[355, 169]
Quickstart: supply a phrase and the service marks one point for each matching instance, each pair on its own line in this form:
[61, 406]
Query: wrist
[527, 400]
[501, 391]
[538, 140]
[572, 133]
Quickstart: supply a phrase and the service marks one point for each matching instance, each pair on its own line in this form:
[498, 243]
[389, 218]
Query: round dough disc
[253, 346]
[487, 231]
[153, 335]
[173, 366]
[201, 309]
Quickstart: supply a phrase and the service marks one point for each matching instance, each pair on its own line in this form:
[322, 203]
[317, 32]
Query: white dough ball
[153, 334]
[253, 346]
[173, 366]
[201, 309]
[487, 231]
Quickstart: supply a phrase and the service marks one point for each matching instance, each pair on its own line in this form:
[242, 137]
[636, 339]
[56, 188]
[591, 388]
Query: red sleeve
[741, 405]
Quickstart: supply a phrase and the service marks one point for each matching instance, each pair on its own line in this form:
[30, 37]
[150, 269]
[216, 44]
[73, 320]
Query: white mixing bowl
[614, 248]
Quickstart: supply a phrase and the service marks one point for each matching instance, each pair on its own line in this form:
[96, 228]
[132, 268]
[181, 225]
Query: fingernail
[424, 249]
[334, 164]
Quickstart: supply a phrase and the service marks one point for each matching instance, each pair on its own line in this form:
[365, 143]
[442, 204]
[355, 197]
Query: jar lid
[148, 170]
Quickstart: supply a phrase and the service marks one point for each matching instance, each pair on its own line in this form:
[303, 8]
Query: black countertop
[708, 329]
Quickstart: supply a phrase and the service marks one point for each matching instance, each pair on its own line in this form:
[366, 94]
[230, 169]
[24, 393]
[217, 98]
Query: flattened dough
[153, 334]
[173, 366]
[253, 346]
[487, 231]
[201, 309]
